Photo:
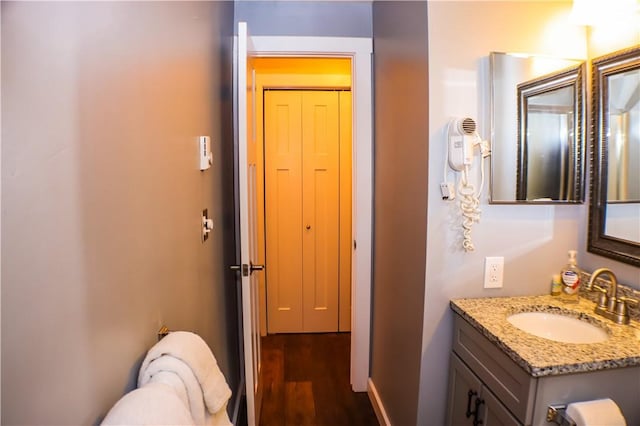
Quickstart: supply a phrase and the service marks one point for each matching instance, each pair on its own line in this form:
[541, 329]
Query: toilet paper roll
[599, 412]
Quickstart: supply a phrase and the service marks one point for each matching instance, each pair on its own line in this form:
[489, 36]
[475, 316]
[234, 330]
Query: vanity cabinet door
[513, 386]
[495, 413]
[464, 390]
[471, 402]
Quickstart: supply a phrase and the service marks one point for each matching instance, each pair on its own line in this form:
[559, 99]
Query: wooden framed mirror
[550, 143]
[542, 74]
[614, 210]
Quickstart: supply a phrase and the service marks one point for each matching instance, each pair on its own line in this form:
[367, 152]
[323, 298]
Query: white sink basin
[559, 328]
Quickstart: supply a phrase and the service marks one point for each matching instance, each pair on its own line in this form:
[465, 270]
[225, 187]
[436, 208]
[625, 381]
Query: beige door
[302, 187]
[248, 220]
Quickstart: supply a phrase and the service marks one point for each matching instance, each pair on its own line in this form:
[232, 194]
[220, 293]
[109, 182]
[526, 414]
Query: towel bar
[558, 414]
[163, 332]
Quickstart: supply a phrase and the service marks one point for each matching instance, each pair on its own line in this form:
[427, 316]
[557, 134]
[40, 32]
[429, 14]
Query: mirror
[614, 213]
[549, 163]
[536, 129]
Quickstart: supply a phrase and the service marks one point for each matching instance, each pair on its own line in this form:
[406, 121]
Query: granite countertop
[542, 357]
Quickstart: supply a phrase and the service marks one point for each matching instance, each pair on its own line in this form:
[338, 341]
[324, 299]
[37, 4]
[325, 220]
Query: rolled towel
[599, 412]
[221, 418]
[177, 374]
[172, 380]
[190, 348]
[154, 404]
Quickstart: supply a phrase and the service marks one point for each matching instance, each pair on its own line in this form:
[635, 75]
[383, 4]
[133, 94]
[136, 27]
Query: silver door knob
[253, 267]
[243, 269]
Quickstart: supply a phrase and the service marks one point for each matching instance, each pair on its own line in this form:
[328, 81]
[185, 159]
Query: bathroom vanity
[501, 375]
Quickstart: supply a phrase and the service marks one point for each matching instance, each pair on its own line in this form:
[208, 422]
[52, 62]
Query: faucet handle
[628, 300]
[603, 299]
[621, 306]
[598, 288]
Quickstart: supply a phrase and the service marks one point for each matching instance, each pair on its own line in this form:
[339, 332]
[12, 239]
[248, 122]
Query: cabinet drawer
[510, 383]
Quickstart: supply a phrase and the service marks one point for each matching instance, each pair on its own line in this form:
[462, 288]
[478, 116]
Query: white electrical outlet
[493, 272]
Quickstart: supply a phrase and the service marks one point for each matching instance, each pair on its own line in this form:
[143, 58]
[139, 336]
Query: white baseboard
[238, 402]
[378, 408]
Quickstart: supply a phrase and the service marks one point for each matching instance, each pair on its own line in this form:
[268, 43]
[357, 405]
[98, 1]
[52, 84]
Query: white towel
[154, 404]
[191, 349]
[221, 418]
[172, 380]
[175, 373]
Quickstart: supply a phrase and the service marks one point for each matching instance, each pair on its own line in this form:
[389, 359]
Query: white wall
[533, 239]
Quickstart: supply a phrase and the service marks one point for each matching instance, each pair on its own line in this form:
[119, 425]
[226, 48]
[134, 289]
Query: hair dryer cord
[470, 207]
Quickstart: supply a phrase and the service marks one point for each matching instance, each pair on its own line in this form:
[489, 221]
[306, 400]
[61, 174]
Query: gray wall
[101, 197]
[306, 18]
[400, 206]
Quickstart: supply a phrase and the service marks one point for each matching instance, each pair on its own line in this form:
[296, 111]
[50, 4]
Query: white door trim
[360, 50]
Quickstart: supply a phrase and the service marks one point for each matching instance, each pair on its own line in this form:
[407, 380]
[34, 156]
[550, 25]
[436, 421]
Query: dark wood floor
[305, 381]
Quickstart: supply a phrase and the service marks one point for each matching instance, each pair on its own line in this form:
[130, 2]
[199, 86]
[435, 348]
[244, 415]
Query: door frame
[359, 49]
[295, 76]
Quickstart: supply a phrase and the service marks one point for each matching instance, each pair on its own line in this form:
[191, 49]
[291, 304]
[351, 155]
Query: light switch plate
[493, 272]
[205, 230]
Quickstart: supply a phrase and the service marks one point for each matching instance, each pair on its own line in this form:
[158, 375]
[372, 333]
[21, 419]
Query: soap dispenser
[570, 276]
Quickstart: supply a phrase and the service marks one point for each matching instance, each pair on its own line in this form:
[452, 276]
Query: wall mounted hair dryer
[462, 139]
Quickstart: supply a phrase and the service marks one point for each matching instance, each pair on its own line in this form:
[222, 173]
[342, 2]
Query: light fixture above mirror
[596, 12]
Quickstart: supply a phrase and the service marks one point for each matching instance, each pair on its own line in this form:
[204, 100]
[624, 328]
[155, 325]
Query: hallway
[306, 382]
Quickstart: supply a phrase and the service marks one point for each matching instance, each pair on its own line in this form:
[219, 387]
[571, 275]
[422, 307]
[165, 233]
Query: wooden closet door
[321, 216]
[283, 205]
[302, 186]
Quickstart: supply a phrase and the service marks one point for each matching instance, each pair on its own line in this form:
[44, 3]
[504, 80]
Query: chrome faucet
[609, 304]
